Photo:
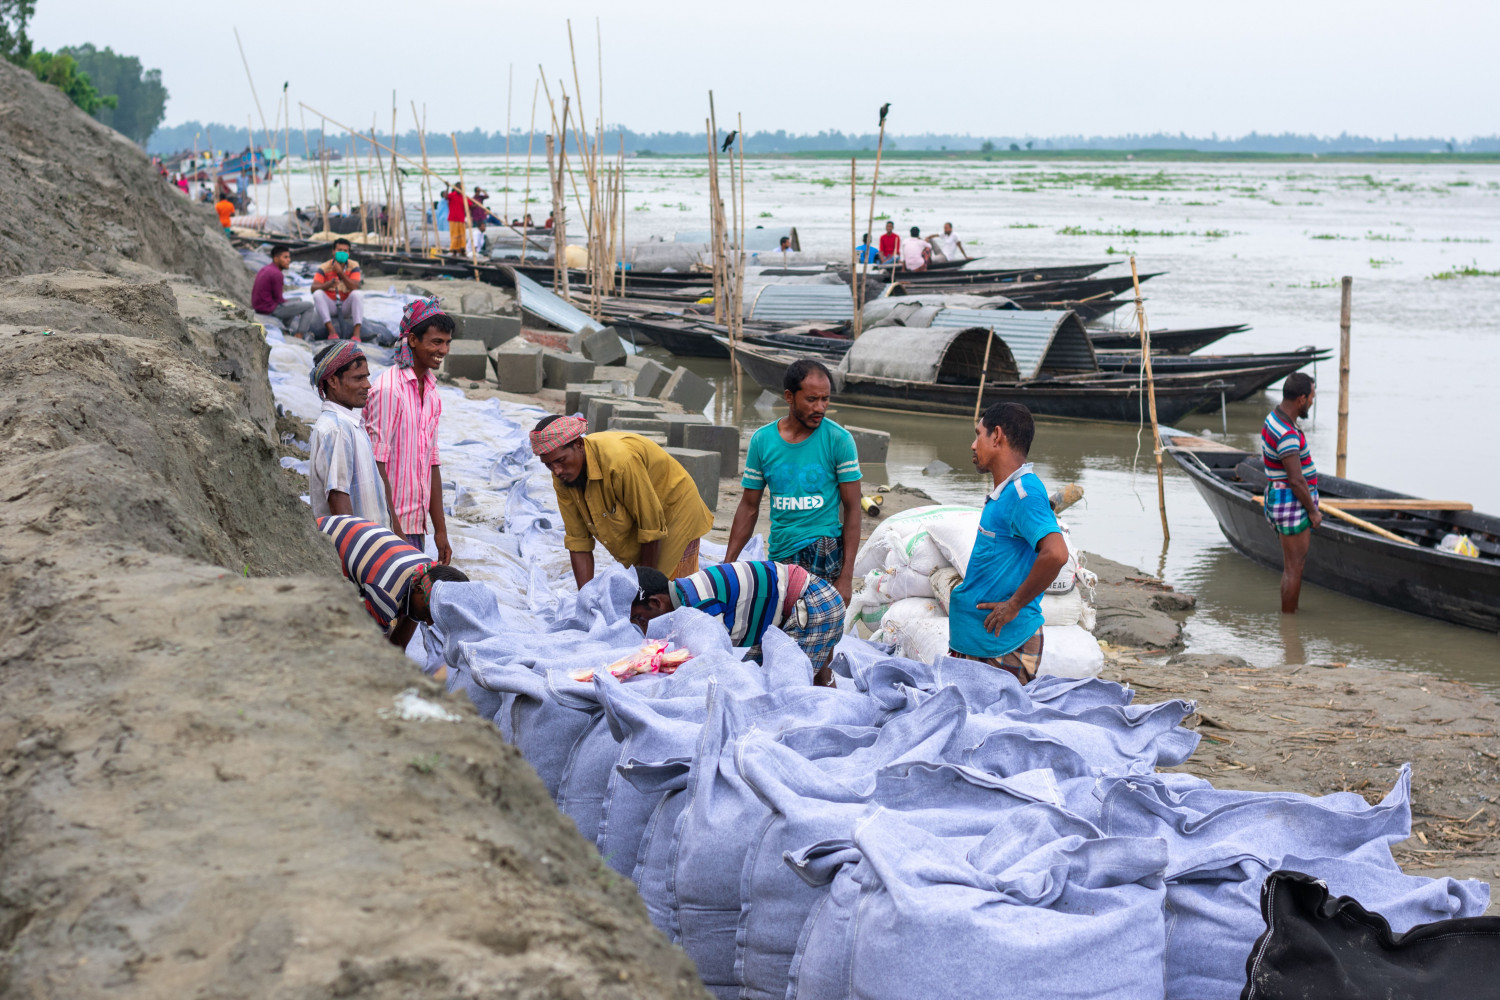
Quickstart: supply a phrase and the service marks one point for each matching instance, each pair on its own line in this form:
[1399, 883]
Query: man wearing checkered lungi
[750, 597]
[1291, 497]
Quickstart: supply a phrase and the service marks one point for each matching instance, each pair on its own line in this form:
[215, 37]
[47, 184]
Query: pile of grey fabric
[924, 829]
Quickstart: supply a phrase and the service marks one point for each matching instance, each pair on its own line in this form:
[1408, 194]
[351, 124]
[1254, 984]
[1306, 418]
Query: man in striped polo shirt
[1291, 483]
[750, 597]
[395, 579]
[401, 416]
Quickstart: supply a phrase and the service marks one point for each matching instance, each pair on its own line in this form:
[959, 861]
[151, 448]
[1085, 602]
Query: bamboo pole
[393, 187]
[526, 198]
[250, 147]
[421, 126]
[859, 300]
[984, 371]
[739, 279]
[1358, 522]
[286, 98]
[260, 111]
[1161, 476]
[559, 243]
[854, 249]
[560, 208]
[364, 220]
[510, 87]
[1347, 296]
[379, 166]
[713, 225]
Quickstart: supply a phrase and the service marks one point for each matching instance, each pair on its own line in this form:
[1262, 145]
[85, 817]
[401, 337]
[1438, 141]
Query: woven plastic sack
[1070, 651]
[1043, 905]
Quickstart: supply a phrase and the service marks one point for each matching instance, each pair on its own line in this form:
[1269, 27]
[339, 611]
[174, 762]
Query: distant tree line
[113, 88]
[477, 141]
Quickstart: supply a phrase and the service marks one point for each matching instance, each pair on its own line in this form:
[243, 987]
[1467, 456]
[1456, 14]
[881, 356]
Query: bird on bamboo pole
[728, 141]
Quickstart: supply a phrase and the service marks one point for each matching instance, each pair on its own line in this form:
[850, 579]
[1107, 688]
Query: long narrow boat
[1165, 341]
[937, 371]
[1411, 575]
[1129, 362]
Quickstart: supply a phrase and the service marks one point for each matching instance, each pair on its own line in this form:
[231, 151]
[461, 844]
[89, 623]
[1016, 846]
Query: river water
[1262, 244]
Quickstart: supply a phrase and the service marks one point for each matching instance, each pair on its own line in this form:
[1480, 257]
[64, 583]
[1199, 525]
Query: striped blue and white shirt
[379, 563]
[750, 596]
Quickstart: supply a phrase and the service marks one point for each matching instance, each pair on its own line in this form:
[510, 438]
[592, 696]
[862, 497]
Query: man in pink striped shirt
[401, 417]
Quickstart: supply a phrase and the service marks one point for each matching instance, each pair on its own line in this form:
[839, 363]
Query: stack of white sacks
[910, 565]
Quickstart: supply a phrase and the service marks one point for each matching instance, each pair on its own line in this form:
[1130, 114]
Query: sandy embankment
[201, 791]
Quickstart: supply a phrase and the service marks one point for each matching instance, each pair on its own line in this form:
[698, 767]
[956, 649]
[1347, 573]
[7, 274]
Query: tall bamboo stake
[526, 198]
[260, 111]
[739, 280]
[392, 188]
[560, 208]
[854, 243]
[713, 227]
[510, 87]
[250, 147]
[984, 371]
[1161, 476]
[421, 124]
[286, 98]
[1345, 303]
[859, 297]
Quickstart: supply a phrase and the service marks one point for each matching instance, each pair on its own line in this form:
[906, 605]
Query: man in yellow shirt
[625, 491]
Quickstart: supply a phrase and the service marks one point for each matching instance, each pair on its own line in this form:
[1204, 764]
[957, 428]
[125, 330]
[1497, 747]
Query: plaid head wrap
[335, 358]
[415, 314]
[563, 430]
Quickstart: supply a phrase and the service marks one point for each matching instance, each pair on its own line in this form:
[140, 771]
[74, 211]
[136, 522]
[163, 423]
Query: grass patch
[1330, 236]
[1465, 271]
[1379, 262]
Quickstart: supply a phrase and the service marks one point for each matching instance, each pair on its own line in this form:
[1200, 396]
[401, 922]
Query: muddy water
[1262, 244]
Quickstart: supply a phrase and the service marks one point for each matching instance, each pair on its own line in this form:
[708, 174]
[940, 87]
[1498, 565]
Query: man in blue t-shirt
[811, 466]
[995, 615]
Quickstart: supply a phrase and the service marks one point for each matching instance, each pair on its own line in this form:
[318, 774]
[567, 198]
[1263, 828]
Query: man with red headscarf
[623, 490]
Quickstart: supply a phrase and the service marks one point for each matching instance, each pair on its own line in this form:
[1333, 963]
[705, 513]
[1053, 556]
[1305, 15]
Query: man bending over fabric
[401, 418]
[625, 491]
[1018, 551]
[750, 597]
[394, 578]
[342, 475]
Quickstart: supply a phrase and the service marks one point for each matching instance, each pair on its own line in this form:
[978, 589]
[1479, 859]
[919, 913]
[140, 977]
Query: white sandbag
[954, 534]
[1068, 575]
[918, 639]
[900, 584]
[1070, 651]
[1062, 609]
[913, 608]
[904, 539]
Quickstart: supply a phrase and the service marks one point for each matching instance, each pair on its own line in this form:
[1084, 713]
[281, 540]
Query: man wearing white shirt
[948, 244]
[915, 251]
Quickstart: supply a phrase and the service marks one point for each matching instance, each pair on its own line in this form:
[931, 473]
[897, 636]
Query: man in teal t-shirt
[995, 615]
[811, 466]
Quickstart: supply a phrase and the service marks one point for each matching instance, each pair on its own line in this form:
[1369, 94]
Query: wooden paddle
[1392, 504]
[1358, 522]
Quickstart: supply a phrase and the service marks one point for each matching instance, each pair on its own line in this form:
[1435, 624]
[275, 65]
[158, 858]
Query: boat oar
[1358, 522]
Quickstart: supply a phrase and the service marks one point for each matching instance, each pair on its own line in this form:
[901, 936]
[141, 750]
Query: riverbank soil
[204, 789]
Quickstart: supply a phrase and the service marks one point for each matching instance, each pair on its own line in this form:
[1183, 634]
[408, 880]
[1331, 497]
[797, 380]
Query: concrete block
[560, 368]
[712, 437]
[675, 423]
[629, 410]
[635, 362]
[602, 347]
[598, 409]
[517, 365]
[573, 393]
[872, 446]
[687, 390]
[703, 466]
[638, 425]
[650, 377]
[493, 330]
[466, 359]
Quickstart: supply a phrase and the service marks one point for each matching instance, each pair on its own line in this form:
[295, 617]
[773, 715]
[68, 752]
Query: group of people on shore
[376, 489]
[914, 252]
[337, 301]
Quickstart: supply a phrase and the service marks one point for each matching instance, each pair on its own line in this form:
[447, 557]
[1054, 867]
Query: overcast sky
[1103, 67]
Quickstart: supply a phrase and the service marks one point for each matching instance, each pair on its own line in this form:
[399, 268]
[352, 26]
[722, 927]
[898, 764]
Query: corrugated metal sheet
[927, 355]
[1041, 341]
[799, 303]
[549, 308]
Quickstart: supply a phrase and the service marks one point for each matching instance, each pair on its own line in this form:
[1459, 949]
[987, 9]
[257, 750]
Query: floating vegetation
[1315, 283]
[1330, 236]
[1470, 270]
[1136, 234]
[1460, 239]
[1024, 225]
[1386, 238]
[1379, 262]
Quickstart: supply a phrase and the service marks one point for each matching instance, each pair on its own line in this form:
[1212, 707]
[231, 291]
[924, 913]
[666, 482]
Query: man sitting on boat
[811, 466]
[336, 292]
[750, 597]
[995, 615]
[890, 244]
[1291, 483]
[948, 244]
[867, 254]
[915, 251]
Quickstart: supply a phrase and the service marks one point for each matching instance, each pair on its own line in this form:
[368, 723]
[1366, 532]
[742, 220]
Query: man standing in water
[811, 465]
[1291, 483]
[1018, 551]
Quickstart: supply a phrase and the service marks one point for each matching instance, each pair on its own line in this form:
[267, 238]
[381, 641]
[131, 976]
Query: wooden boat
[937, 370]
[944, 273]
[1407, 571]
[1165, 341]
[1247, 373]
